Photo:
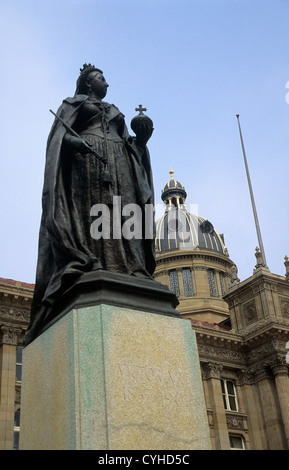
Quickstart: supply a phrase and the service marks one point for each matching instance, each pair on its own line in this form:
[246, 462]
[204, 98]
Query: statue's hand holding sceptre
[142, 126]
[77, 142]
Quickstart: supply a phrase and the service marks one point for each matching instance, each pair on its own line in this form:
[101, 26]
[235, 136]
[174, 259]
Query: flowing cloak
[62, 258]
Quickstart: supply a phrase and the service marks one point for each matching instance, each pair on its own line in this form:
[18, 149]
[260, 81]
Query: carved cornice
[14, 314]
[263, 328]
[15, 296]
[216, 336]
[15, 304]
[222, 354]
[163, 272]
[167, 257]
[262, 352]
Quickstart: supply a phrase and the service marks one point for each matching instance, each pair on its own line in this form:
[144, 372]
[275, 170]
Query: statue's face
[98, 84]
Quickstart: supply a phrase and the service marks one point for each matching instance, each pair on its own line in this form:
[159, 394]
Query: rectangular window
[19, 364]
[174, 282]
[212, 283]
[229, 395]
[222, 284]
[187, 282]
[236, 442]
[16, 430]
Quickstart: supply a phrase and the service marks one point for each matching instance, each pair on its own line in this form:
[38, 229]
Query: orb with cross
[142, 125]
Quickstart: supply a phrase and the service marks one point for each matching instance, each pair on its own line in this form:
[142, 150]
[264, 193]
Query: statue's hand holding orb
[142, 126]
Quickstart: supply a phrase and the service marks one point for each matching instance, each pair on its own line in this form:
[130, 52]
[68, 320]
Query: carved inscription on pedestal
[141, 382]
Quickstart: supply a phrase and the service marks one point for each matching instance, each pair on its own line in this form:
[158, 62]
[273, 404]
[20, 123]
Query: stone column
[269, 408]
[212, 375]
[8, 378]
[282, 385]
[252, 407]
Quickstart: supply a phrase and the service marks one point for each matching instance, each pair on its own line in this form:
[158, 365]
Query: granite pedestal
[118, 369]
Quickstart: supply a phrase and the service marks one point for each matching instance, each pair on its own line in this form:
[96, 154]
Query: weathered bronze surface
[76, 180]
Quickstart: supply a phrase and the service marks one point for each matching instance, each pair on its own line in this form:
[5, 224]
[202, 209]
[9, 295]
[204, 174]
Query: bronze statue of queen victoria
[75, 180]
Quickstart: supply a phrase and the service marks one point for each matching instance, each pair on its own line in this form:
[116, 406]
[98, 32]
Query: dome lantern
[174, 194]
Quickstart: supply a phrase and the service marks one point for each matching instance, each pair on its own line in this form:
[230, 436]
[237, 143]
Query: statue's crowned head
[81, 84]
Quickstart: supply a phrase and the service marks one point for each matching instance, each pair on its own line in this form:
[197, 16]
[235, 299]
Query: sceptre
[89, 149]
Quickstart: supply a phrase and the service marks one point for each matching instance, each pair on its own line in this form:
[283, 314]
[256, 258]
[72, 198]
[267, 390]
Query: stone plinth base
[113, 378]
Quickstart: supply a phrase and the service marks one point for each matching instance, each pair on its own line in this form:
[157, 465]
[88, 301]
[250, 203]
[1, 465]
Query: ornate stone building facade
[15, 303]
[242, 331]
[242, 328]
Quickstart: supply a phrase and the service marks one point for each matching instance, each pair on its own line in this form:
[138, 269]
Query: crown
[87, 68]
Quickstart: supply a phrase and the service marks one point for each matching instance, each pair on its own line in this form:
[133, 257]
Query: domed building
[241, 327]
[192, 259]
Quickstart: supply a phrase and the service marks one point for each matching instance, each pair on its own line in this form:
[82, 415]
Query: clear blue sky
[193, 64]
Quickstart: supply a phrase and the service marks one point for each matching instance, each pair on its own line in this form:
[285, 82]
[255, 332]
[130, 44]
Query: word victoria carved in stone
[142, 382]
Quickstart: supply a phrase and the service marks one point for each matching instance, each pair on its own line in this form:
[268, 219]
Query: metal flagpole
[252, 198]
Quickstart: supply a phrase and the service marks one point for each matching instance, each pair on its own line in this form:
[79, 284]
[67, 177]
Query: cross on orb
[140, 109]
